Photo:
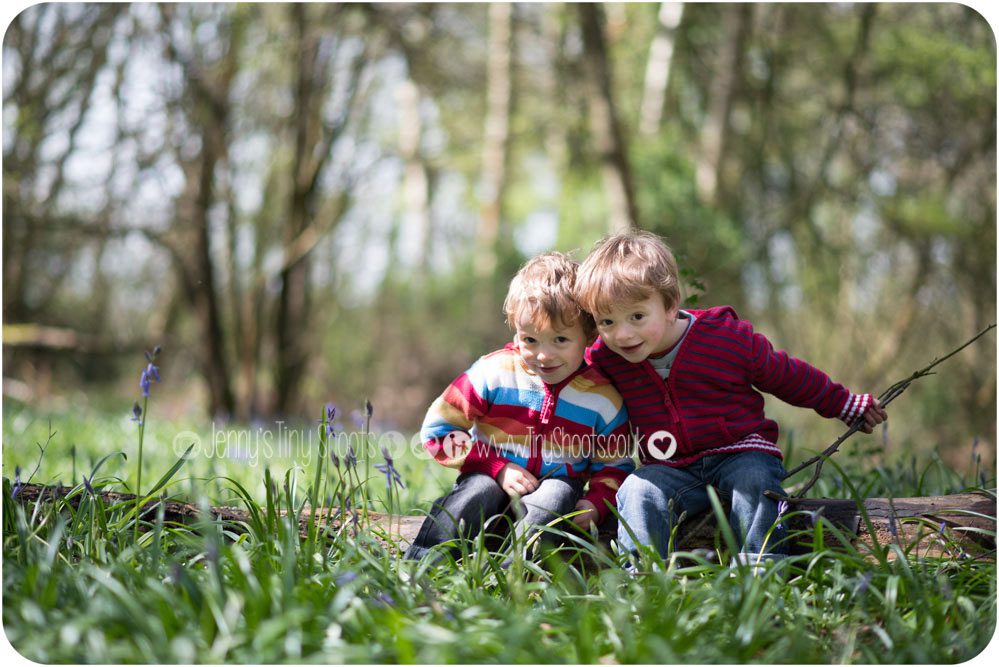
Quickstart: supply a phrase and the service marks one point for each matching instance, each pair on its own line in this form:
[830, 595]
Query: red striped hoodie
[711, 401]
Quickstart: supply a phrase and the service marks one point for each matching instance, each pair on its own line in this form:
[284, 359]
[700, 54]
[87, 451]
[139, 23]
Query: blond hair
[625, 268]
[542, 293]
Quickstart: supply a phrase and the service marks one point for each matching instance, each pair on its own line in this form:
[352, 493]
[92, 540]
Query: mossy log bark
[958, 525]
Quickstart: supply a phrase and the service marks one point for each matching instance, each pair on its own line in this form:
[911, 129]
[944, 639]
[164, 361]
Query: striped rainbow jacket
[576, 428]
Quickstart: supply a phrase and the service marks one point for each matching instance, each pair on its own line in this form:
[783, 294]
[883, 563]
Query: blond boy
[531, 420]
[691, 381]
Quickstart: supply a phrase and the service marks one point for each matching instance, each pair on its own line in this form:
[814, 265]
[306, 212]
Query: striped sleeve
[448, 424]
[799, 383]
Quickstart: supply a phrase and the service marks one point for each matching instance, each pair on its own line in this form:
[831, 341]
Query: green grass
[78, 589]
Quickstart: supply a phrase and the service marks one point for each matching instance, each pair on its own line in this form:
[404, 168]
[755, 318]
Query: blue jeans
[740, 479]
[475, 498]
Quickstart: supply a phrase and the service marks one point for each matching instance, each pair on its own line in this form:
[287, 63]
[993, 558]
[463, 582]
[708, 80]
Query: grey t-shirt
[665, 362]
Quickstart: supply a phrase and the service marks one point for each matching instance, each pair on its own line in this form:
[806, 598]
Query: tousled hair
[625, 268]
[542, 293]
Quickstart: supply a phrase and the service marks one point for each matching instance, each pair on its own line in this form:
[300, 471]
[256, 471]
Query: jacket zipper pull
[546, 409]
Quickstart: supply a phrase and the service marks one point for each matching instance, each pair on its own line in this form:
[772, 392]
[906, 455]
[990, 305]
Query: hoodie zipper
[547, 410]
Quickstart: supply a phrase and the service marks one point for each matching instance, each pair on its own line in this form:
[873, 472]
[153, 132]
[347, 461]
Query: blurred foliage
[167, 167]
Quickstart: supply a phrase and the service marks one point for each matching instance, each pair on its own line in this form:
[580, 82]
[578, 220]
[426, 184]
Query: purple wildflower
[136, 413]
[383, 599]
[892, 526]
[781, 509]
[351, 458]
[346, 578]
[17, 482]
[392, 475]
[943, 527]
[863, 583]
[151, 373]
[368, 409]
[330, 416]
[88, 486]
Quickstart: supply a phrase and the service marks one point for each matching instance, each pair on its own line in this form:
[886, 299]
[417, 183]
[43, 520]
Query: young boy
[532, 420]
[691, 381]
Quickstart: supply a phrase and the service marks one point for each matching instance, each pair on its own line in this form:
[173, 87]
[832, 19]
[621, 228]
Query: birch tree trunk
[415, 182]
[604, 121]
[497, 135]
[657, 68]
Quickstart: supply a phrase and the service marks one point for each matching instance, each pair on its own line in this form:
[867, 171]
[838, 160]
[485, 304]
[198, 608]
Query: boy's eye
[605, 323]
[637, 316]
[527, 340]
[561, 339]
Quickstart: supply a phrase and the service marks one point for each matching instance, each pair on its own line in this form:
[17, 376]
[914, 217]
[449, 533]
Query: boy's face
[554, 353]
[639, 329]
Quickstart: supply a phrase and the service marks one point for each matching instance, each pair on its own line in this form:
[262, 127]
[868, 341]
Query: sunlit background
[306, 204]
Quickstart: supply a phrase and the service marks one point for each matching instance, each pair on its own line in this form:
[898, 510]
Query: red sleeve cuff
[603, 490]
[856, 405]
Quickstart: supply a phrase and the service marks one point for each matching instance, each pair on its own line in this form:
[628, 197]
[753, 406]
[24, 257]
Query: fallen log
[958, 525]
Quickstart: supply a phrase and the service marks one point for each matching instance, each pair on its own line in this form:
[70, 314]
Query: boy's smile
[640, 329]
[553, 353]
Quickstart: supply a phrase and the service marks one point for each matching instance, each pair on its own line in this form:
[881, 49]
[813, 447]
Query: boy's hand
[515, 480]
[589, 515]
[873, 415]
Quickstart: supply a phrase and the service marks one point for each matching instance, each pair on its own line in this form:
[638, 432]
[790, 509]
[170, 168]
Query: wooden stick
[886, 397]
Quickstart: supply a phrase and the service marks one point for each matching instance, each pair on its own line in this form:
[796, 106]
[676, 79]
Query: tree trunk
[735, 26]
[216, 369]
[958, 525]
[657, 68]
[293, 302]
[495, 143]
[415, 182]
[604, 122]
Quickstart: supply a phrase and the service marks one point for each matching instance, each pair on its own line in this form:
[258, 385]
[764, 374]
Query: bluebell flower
[346, 578]
[330, 416]
[150, 374]
[383, 599]
[781, 508]
[368, 409]
[136, 413]
[17, 482]
[863, 583]
[87, 486]
[892, 526]
[392, 475]
[351, 458]
[943, 527]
